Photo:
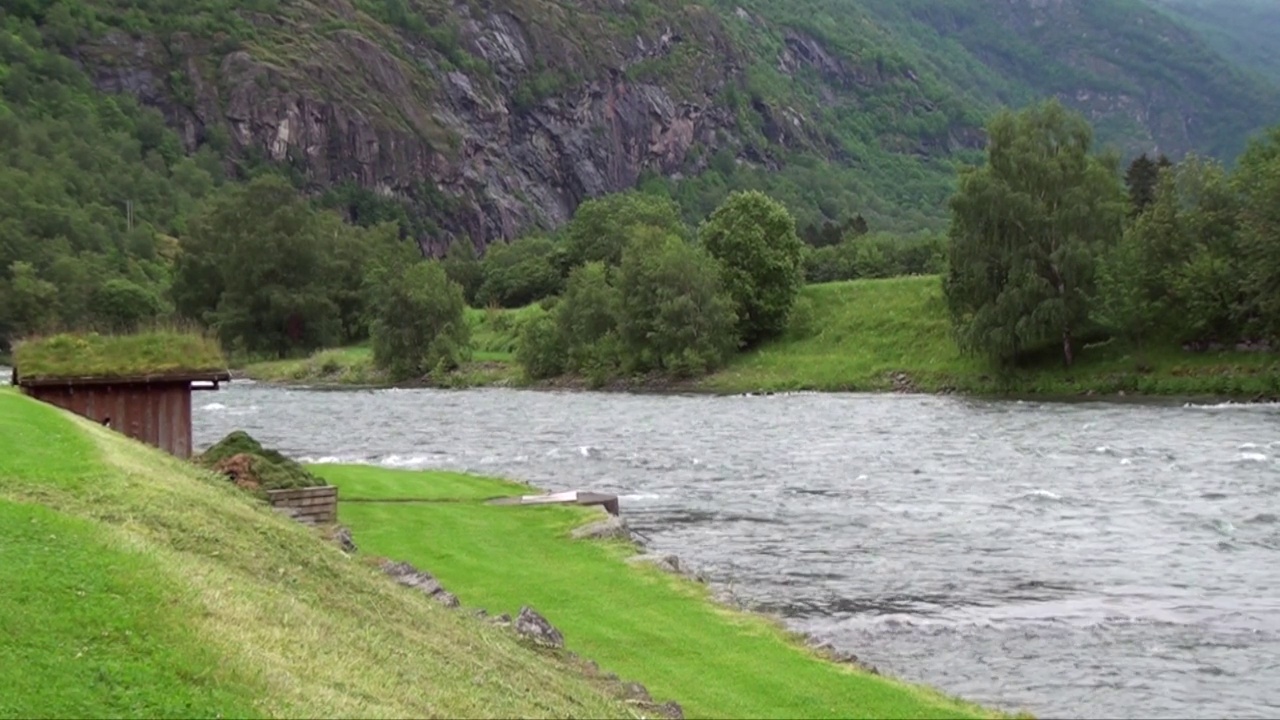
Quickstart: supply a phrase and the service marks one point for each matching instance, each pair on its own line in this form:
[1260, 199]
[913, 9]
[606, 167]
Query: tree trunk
[1068, 354]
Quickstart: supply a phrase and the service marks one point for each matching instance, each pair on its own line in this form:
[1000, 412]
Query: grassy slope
[864, 332]
[493, 337]
[640, 623]
[859, 335]
[135, 585]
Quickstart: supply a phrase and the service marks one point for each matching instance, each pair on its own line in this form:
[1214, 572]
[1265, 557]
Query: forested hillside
[128, 126]
[1244, 31]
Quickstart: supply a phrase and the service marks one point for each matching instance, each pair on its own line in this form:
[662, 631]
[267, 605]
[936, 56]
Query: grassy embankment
[638, 621]
[861, 335]
[493, 339]
[137, 586]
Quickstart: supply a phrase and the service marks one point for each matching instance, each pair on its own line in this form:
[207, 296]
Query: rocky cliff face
[494, 119]
[488, 151]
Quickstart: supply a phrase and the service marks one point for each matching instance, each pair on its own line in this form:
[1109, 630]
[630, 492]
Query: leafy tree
[120, 305]
[255, 266]
[1175, 273]
[1128, 299]
[1141, 180]
[754, 238]
[542, 350]
[1257, 180]
[417, 319]
[351, 251]
[27, 302]
[586, 321]
[1025, 229]
[675, 315]
[463, 267]
[520, 273]
[600, 227]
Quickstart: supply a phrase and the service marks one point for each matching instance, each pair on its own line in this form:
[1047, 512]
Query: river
[1075, 559]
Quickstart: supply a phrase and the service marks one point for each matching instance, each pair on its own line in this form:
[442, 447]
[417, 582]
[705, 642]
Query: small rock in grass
[636, 691]
[535, 627]
[669, 563]
[611, 528]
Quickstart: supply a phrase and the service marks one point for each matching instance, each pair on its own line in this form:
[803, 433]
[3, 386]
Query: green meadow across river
[863, 335]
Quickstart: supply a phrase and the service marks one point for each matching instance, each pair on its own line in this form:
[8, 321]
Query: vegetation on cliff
[137, 584]
[1242, 30]
[664, 631]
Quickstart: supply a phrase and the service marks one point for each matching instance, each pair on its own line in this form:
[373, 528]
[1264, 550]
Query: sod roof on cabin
[90, 355]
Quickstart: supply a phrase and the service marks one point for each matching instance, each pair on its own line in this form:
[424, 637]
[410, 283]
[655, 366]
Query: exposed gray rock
[671, 709]
[537, 628]
[667, 563]
[611, 528]
[636, 691]
[424, 582]
[342, 536]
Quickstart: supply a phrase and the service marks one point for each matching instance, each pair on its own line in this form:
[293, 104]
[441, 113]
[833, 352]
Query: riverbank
[867, 335]
[493, 339]
[138, 585]
[660, 629]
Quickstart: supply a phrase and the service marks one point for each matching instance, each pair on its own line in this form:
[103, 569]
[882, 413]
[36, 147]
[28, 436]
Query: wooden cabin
[138, 385]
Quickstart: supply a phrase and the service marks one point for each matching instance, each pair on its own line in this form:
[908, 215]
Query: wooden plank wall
[158, 414]
[309, 505]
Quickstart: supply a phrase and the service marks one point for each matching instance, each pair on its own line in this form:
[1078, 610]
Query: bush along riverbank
[890, 335]
[642, 615]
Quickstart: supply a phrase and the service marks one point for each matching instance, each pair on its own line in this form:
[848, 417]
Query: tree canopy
[1025, 230]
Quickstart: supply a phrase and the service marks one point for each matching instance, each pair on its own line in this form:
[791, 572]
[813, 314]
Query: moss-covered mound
[255, 468]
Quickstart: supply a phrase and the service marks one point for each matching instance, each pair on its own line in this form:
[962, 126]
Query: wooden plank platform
[570, 497]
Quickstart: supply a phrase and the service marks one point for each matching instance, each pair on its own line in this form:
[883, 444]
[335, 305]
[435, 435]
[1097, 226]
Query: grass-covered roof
[90, 355]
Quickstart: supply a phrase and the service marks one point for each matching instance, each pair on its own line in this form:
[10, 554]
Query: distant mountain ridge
[490, 119]
[1246, 32]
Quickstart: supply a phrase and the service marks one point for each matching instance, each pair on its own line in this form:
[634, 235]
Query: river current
[1073, 559]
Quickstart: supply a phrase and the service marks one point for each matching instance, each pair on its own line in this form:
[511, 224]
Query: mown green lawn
[134, 585]
[859, 335]
[637, 622]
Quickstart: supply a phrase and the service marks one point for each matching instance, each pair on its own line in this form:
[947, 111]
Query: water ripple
[1083, 559]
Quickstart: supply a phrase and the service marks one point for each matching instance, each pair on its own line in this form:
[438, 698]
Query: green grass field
[138, 586]
[863, 333]
[860, 336]
[640, 623]
[493, 338]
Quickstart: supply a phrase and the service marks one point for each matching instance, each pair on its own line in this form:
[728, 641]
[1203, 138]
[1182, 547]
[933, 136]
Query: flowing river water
[1074, 559]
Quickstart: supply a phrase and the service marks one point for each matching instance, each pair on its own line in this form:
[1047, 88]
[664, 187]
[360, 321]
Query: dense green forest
[109, 218]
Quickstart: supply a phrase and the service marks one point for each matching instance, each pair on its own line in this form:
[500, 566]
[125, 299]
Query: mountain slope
[491, 119]
[1244, 31]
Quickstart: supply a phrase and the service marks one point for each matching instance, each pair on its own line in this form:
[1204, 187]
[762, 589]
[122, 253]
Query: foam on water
[1084, 559]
